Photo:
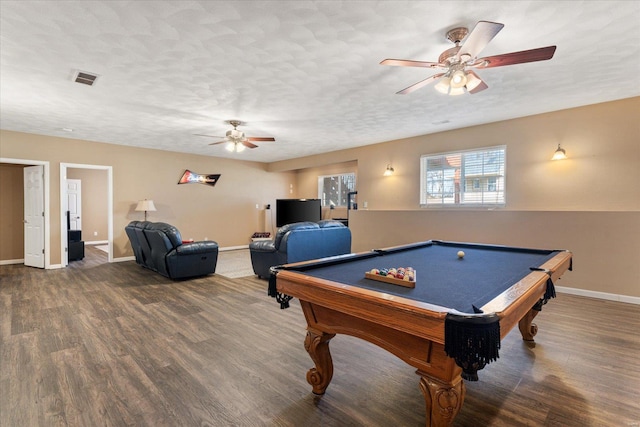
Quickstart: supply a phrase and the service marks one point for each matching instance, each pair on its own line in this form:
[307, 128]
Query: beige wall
[605, 245]
[11, 212]
[589, 204]
[225, 213]
[602, 142]
[94, 185]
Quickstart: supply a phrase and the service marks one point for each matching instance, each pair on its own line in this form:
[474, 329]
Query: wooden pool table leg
[528, 329]
[317, 345]
[443, 399]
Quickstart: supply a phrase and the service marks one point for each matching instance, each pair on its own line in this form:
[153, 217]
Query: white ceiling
[304, 72]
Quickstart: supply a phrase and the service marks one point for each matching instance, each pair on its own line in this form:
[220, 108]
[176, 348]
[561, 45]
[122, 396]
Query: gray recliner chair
[300, 241]
[158, 246]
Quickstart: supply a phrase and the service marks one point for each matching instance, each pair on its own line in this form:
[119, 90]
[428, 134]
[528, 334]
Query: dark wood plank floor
[117, 345]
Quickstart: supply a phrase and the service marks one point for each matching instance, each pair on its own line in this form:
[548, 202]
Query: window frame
[338, 176]
[466, 183]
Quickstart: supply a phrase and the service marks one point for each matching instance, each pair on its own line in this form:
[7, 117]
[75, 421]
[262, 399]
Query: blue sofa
[300, 241]
[158, 246]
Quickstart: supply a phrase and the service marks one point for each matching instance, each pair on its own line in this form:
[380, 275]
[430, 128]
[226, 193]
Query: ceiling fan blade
[409, 63]
[219, 142]
[259, 138]
[420, 84]
[208, 136]
[479, 38]
[482, 86]
[540, 54]
[248, 144]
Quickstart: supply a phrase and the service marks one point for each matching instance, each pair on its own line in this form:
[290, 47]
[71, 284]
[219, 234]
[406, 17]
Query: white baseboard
[54, 266]
[124, 258]
[12, 261]
[599, 295]
[97, 242]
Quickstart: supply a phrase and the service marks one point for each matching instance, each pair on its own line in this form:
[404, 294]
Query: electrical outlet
[95, 233]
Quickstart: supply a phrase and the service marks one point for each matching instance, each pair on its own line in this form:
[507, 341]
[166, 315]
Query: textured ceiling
[304, 72]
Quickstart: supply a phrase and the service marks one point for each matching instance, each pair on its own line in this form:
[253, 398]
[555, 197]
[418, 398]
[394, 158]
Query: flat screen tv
[297, 210]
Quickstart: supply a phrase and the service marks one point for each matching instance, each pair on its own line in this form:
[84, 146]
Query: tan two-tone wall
[589, 203]
[226, 212]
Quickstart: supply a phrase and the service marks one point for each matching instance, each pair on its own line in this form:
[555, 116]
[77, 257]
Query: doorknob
[25, 221]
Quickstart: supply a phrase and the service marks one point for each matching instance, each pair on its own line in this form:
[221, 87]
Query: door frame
[46, 189]
[64, 255]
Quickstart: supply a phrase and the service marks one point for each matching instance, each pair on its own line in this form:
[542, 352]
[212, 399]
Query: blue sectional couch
[159, 247]
[300, 241]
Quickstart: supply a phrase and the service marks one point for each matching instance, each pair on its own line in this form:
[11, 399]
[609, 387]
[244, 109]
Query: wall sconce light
[560, 154]
[146, 206]
[389, 171]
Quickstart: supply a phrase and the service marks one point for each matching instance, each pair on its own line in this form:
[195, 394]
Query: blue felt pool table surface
[442, 278]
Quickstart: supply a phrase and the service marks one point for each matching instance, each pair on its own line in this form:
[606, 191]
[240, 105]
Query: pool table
[448, 326]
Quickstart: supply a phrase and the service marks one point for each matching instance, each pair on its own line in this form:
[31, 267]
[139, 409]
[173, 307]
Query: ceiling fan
[236, 139]
[458, 61]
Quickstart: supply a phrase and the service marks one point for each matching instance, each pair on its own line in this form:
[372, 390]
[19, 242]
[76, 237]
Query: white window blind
[333, 189]
[465, 178]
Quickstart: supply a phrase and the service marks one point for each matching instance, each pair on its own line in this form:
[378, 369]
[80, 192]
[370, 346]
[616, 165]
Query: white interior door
[34, 216]
[74, 203]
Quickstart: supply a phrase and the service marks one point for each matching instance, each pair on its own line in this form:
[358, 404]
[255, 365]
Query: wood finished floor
[100, 344]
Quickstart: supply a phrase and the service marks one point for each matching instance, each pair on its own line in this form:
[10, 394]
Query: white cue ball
[460, 254]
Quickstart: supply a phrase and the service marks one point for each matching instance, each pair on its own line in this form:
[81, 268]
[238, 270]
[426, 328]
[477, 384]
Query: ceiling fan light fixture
[472, 81]
[468, 45]
[457, 83]
[235, 134]
[458, 79]
[454, 91]
[443, 85]
[236, 141]
[237, 147]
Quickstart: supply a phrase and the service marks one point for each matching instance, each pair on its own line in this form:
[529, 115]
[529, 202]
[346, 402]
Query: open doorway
[97, 193]
[14, 258]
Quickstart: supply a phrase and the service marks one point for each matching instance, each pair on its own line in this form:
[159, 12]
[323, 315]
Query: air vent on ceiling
[85, 78]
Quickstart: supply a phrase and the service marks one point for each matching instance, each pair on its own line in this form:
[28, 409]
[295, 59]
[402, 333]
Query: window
[333, 189]
[467, 178]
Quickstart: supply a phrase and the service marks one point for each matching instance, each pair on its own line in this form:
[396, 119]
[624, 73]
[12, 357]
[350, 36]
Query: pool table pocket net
[472, 341]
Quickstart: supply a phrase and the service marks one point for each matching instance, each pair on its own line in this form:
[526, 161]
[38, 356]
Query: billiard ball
[460, 254]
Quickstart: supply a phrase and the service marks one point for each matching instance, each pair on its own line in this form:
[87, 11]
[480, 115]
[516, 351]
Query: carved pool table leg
[528, 329]
[443, 400]
[317, 345]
